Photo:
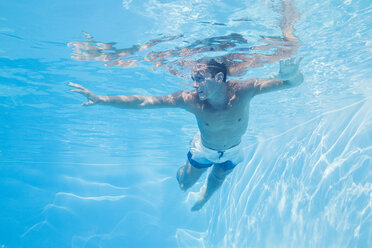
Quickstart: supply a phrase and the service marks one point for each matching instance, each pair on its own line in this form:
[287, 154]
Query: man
[222, 110]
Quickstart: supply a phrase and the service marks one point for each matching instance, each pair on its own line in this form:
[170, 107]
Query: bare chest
[231, 117]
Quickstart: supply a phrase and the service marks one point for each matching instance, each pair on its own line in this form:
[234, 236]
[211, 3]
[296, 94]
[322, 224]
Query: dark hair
[215, 66]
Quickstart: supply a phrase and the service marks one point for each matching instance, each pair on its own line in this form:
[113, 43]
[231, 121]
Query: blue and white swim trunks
[200, 156]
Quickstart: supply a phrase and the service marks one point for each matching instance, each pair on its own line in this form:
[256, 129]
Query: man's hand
[289, 68]
[92, 98]
[289, 72]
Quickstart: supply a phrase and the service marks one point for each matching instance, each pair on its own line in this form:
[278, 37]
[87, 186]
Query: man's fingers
[80, 89]
[291, 61]
[88, 103]
[76, 85]
[73, 84]
[83, 92]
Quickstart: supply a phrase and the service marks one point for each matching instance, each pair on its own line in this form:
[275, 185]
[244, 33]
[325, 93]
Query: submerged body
[221, 109]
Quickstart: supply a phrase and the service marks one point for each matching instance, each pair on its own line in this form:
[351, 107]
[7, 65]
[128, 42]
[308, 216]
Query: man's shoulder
[186, 95]
[242, 86]
[186, 98]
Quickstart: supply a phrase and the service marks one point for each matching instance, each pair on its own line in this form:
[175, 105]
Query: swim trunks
[200, 156]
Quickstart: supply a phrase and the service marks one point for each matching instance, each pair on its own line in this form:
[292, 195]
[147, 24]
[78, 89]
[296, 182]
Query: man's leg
[215, 180]
[187, 175]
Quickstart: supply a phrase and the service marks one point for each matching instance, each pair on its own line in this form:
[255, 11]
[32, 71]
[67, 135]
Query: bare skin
[221, 110]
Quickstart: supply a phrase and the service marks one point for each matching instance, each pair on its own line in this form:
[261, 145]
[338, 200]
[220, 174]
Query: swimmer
[221, 108]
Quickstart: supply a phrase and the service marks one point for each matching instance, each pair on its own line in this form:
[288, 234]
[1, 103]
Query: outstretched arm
[175, 100]
[288, 76]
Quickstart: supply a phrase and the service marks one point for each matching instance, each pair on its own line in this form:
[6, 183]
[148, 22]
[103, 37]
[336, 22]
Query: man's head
[208, 75]
[213, 66]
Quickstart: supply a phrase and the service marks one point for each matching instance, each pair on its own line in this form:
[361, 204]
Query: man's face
[204, 84]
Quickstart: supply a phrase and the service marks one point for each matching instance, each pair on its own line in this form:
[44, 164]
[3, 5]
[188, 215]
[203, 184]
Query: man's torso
[222, 128]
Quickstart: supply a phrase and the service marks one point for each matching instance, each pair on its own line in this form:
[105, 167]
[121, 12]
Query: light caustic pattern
[307, 187]
[80, 178]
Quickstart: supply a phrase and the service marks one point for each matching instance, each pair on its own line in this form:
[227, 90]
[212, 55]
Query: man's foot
[200, 203]
[188, 175]
[179, 176]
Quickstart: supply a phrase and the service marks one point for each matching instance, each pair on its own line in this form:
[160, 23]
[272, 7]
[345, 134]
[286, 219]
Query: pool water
[105, 177]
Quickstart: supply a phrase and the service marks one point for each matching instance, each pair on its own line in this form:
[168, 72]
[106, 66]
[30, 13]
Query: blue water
[105, 177]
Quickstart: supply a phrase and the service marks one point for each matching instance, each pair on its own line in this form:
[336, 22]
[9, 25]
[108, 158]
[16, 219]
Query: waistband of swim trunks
[231, 149]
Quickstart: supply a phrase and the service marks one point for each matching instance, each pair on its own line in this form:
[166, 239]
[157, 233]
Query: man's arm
[175, 100]
[289, 76]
